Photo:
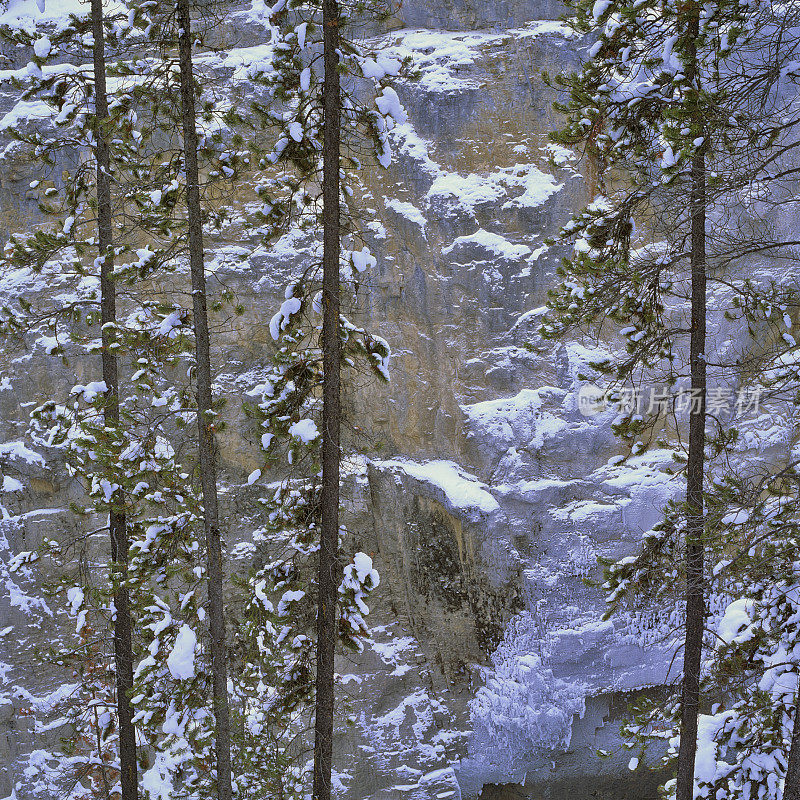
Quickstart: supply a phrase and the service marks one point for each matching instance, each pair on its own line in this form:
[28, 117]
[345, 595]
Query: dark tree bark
[791, 787]
[329, 565]
[207, 452]
[695, 514]
[123, 647]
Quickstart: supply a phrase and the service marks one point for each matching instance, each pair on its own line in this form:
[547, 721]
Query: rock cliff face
[484, 494]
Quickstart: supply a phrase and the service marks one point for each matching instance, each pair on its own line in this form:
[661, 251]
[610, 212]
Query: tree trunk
[123, 647]
[695, 516]
[205, 418]
[329, 566]
[791, 786]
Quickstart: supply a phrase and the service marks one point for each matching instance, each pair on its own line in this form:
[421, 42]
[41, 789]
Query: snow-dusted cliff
[485, 495]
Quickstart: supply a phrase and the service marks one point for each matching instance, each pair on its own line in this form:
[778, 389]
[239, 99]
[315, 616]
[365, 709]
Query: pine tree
[178, 678]
[81, 119]
[748, 734]
[205, 410]
[123, 643]
[314, 189]
[664, 94]
[696, 587]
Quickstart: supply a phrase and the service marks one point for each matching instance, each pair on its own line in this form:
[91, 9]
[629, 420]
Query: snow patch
[518, 420]
[305, 430]
[180, 661]
[407, 210]
[462, 490]
[524, 186]
[493, 242]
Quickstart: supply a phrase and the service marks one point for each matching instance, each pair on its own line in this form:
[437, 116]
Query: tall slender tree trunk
[123, 645]
[207, 453]
[695, 515]
[329, 564]
[791, 786]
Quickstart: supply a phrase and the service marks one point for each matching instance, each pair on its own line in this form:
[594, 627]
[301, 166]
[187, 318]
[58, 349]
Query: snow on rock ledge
[462, 492]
